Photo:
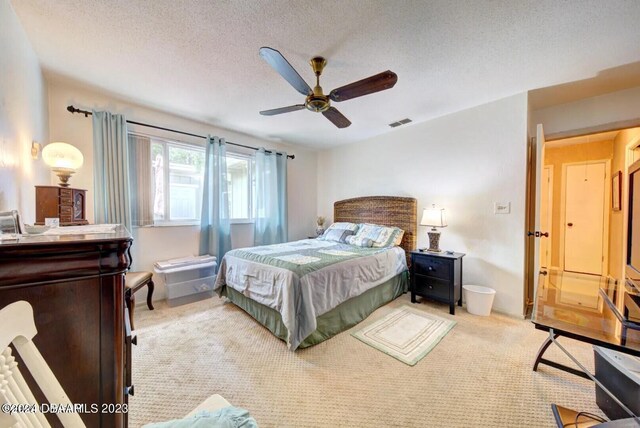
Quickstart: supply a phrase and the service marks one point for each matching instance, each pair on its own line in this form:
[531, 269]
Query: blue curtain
[111, 169]
[270, 225]
[215, 229]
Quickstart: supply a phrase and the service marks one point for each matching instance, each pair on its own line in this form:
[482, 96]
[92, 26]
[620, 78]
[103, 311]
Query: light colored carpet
[405, 334]
[479, 375]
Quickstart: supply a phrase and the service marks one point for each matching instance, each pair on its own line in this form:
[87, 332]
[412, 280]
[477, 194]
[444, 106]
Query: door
[584, 219]
[546, 210]
[532, 249]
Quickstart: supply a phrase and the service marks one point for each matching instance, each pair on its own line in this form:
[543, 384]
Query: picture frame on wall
[616, 191]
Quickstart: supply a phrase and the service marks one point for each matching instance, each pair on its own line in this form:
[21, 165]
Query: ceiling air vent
[400, 122]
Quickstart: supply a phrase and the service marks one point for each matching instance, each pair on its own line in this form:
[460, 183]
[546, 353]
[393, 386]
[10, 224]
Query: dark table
[581, 307]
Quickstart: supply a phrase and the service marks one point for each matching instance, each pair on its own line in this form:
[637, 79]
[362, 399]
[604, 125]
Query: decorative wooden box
[64, 203]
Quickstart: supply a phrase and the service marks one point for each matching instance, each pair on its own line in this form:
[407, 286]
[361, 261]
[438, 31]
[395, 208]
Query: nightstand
[437, 276]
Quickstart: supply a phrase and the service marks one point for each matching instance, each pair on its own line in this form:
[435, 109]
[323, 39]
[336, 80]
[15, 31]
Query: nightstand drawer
[430, 266]
[430, 287]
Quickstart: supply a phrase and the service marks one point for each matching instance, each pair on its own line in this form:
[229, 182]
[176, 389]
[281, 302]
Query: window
[240, 186]
[176, 186]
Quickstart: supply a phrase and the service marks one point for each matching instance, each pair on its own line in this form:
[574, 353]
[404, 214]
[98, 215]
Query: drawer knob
[430, 268]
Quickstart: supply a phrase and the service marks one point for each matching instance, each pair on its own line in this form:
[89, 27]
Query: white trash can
[479, 299]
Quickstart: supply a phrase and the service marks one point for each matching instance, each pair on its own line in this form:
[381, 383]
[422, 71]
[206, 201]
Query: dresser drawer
[431, 287]
[66, 210]
[430, 266]
[66, 201]
[66, 193]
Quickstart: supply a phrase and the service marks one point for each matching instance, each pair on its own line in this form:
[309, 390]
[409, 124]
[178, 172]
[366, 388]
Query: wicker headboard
[383, 210]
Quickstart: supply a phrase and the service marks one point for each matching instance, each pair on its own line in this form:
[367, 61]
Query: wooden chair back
[17, 328]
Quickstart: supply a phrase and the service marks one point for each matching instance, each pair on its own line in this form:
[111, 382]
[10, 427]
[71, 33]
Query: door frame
[606, 220]
[534, 156]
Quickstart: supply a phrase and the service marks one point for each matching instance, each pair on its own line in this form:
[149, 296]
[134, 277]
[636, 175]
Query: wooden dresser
[75, 284]
[65, 203]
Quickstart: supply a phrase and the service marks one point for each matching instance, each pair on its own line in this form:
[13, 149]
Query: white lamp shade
[433, 217]
[62, 156]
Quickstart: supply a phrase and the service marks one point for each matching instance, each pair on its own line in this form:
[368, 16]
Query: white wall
[161, 243]
[463, 162]
[23, 117]
[589, 112]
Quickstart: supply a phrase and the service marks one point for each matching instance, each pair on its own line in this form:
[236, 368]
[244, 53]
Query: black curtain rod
[86, 113]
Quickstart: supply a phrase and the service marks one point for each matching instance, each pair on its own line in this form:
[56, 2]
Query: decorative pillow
[361, 241]
[344, 226]
[382, 236]
[337, 235]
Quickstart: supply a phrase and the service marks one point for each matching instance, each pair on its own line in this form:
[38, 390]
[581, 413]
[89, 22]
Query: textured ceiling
[200, 58]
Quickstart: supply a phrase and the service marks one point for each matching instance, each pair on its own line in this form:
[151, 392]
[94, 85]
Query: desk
[580, 307]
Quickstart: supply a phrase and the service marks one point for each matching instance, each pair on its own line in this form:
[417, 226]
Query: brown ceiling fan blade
[281, 110]
[336, 117]
[379, 82]
[286, 70]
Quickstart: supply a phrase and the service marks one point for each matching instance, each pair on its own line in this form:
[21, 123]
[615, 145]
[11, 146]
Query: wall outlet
[502, 207]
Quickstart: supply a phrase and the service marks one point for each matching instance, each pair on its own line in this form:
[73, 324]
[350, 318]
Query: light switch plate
[502, 207]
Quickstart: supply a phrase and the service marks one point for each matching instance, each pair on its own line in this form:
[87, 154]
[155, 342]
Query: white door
[534, 176]
[584, 220]
[546, 209]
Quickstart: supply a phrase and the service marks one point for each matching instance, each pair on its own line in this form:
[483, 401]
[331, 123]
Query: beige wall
[589, 112]
[464, 162]
[159, 243]
[556, 157]
[23, 117]
[617, 225]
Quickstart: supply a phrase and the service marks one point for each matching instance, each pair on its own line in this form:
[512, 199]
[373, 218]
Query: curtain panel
[111, 169]
[140, 183]
[215, 227]
[270, 225]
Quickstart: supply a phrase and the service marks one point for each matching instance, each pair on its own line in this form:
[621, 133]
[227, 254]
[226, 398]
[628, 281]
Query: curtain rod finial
[71, 109]
[292, 156]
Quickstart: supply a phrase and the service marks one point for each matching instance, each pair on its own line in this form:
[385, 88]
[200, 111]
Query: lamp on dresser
[64, 159]
[434, 217]
[61, 202]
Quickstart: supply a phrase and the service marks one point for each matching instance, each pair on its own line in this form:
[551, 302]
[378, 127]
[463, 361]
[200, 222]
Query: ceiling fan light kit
[316, 100]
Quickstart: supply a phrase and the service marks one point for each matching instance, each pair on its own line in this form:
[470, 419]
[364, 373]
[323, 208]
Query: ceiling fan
[316, 100]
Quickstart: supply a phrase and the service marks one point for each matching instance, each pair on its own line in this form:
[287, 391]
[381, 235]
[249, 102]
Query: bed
[307, 291]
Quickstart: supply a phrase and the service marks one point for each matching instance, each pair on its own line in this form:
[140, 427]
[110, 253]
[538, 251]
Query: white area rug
[405, 334]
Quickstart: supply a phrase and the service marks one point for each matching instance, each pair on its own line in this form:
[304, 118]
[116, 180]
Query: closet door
[584, 225]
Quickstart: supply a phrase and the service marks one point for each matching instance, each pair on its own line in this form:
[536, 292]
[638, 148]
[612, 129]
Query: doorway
[552, 163]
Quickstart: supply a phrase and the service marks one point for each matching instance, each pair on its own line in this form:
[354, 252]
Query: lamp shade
[433, 217]
[62, 156]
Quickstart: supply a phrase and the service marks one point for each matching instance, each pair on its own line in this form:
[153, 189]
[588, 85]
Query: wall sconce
[64, 159]
[35, 150]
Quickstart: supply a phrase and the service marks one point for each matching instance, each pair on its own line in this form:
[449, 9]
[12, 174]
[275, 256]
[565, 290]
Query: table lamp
[434, 217]
[64, 159]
